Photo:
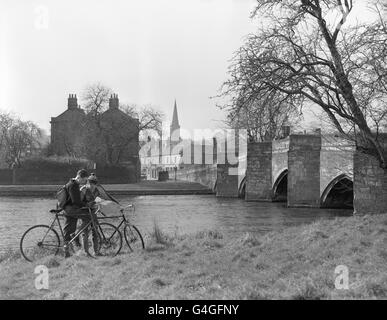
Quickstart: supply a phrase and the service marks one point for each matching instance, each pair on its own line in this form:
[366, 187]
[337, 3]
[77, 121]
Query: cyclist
[73, 207]
[88, 194]
[90, 191]
[93, 190]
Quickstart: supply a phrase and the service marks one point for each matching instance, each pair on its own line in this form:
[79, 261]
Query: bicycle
[132, 235]
[43, 240]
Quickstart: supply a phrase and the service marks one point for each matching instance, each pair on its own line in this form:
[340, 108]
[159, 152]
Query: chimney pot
[113, 101]
[72, 101]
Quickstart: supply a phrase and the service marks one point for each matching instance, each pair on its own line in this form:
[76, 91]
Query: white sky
[148, 51]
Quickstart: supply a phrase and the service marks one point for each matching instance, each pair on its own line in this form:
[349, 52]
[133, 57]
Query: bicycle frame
[124, 222]
[122, 216]
[56, 219]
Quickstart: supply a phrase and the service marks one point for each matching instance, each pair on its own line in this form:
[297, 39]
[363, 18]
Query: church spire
[175, 119]
[175, 126]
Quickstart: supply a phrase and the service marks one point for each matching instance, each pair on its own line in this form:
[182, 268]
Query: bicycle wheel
[133, 238]
[110, 239]
[38, 242]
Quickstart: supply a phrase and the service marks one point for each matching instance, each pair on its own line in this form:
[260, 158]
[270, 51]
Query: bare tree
[6, 122]
[304, 55]
[262, 119]
[104, 142]
[95, 98]
[18, 139]
[150, 119]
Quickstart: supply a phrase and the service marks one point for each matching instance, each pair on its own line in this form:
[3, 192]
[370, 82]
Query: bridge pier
[304, 171]
[259, 172]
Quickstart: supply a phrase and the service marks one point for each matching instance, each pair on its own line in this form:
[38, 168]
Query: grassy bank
[294, 263]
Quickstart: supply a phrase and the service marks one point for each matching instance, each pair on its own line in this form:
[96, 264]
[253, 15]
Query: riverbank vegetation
[293, 263]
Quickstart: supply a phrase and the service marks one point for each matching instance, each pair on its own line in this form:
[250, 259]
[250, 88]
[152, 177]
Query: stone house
[116, 136]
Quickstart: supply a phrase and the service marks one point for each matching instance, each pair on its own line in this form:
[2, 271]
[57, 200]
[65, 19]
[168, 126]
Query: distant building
[67, 130]
[121, 132]
[163, 154]
[117, 134]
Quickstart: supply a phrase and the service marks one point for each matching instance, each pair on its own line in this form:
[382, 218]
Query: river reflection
[181, 214]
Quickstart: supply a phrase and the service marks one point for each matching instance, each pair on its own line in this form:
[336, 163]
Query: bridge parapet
[305, 142]
[334, 142]
[280, 146]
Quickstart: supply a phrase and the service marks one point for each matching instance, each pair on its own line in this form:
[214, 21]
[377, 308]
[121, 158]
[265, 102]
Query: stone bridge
[303, 170]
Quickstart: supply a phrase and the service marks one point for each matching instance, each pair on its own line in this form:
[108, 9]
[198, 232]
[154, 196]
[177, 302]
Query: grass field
[294, 263]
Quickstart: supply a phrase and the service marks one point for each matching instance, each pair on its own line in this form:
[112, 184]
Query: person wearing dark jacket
[73, 207]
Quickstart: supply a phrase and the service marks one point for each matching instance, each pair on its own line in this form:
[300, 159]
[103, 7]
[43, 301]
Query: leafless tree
[150, 119]
[308, 53]
[18, 138]
[103, 141]
[95, 98]
[263, 119]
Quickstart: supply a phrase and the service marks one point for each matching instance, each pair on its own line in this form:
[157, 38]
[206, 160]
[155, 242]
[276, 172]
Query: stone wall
[304, 171]
[370, 185]
[204, 174]
[259, 171]
[226, 183]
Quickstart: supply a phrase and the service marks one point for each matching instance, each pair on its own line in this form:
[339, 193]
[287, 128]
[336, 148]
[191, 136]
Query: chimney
[285, 131]
[72, 102]
[113, 101]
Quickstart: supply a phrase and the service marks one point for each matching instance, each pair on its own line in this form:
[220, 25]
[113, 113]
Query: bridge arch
[338, 193]
[242, 188]
[280, 187]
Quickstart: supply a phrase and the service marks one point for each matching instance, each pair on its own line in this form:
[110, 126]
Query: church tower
[174, 130]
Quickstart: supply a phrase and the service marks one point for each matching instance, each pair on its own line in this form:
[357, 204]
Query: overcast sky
[148, 52]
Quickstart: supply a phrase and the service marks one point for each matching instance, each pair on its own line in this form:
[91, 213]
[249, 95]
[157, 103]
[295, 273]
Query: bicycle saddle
[55, 210]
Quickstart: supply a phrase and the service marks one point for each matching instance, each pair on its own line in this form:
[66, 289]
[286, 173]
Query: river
[174, 214]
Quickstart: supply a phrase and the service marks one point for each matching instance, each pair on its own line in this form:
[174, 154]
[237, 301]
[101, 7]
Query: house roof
[67, 112]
